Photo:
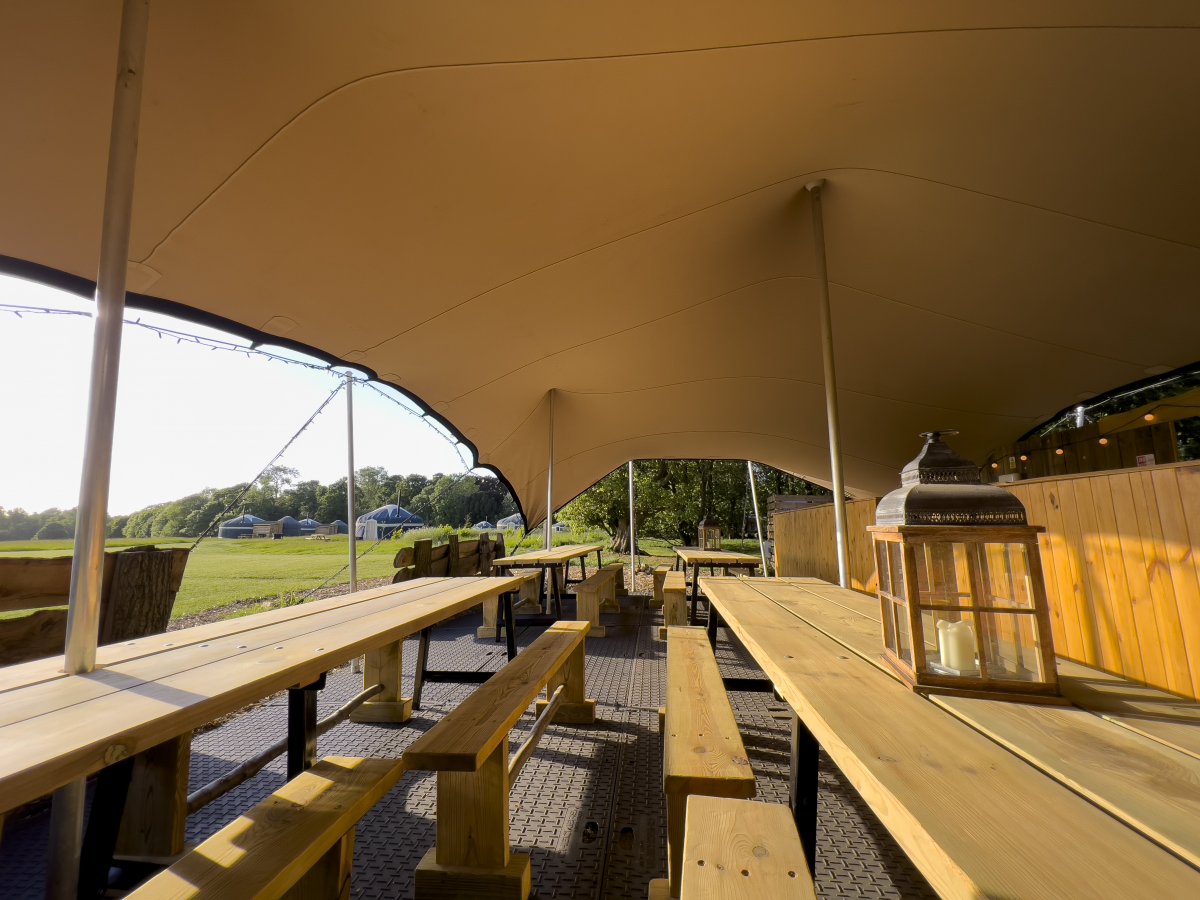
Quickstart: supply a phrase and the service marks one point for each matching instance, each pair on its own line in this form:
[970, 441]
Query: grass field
[223, 572]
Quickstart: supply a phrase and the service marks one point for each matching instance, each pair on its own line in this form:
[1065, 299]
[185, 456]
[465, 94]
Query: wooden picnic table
[988, 798]
[56, 728]
[550, 562]
[724, 560]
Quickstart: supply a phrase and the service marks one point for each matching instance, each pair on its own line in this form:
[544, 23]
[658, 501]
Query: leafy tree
[52, 531]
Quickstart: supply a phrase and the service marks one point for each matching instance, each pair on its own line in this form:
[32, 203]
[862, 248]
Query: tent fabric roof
[607, 200]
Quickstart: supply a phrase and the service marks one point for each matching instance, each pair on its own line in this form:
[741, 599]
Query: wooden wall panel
[1121, 556]
[805, 544]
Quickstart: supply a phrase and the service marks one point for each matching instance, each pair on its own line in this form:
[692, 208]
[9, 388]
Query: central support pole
[550, 474]
[632, 534]
[762, 552]
[350, 483]
[831, 400]
[356, 667]
[87, 566]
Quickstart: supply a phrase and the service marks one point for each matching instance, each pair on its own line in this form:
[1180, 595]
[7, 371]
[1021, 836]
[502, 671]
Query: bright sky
[187, 417]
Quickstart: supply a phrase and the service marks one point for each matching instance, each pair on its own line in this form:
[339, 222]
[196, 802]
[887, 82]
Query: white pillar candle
[960, 646]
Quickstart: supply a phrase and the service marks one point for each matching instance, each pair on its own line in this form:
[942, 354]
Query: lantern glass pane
[942, 574]
[1011, 645]
[1005, 569]
[896, 570]
[903, 635]
[950, 647]
[881, 567]
[889, 625]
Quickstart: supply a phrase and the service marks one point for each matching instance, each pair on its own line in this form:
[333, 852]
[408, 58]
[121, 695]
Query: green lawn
[221, 572]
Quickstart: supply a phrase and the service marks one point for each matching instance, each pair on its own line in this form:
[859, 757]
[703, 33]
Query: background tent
[290, 525]
[309, 526]
[242, 526]
[390, 517]
[1009, 213]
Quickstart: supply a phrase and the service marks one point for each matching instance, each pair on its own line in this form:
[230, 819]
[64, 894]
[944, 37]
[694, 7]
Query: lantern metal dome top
[939, 487]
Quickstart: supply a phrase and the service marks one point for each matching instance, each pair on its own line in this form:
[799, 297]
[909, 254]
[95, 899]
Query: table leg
[714, 620]
[104, 821]
[302, 727]
[557, 591]
[599, 560]
[156, 814]
[510, 627]
[422, 667]
[806, 754]
[582, 568]
[695, 591]
[384, 666]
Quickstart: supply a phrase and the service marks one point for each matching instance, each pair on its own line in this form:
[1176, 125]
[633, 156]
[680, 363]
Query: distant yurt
[242, 526]
[513, 521]
[485, 525]
[291, 527]
[309, 526]
[342, 527]
[388, 518]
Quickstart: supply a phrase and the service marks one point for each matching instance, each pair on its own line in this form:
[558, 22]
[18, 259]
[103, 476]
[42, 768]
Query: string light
[1059, 452]
[1103, 442]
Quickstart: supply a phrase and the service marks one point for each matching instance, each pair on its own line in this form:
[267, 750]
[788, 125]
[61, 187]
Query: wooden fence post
[423, 558]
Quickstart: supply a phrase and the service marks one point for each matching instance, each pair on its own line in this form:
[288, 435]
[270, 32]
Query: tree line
[671, 496]
[454, 500]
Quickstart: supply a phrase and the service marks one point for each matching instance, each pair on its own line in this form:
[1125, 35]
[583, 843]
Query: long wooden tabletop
[55, 728]
[978, 816]
[694, 556]
[554, 556]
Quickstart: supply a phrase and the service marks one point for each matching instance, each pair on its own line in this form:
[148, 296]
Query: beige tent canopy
[480, 203]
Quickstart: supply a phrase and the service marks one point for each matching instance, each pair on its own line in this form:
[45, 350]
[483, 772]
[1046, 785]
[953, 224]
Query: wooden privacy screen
[805, 545]
[1121, 555]
[1122, 573]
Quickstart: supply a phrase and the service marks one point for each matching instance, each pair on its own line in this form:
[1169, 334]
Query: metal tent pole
[550, 475]
[350, 482]
[549, 537]
[757, 520]
[87, 566]
[632, 533]
[831, 400]
[356, 667]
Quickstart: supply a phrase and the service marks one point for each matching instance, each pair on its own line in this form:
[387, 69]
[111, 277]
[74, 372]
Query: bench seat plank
[703, 747]
[463, 741]
[742, 850]
[977, 820]
[270, 848]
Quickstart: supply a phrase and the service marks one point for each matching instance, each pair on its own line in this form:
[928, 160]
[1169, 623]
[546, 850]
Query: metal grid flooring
[588, 807]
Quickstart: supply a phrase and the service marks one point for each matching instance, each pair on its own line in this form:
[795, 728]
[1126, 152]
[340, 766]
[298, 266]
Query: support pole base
[580, 713]
[438, 882]
[383, 711]
[660, 889]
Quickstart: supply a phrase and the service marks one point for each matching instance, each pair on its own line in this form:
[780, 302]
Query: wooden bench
[660, 575]
[469, 751]
[702, 747]
[674, 602]
[299, 842]
[597, 592]
[618, 570]
[741, 849]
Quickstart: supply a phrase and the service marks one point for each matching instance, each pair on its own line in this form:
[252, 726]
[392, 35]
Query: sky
[187, 417]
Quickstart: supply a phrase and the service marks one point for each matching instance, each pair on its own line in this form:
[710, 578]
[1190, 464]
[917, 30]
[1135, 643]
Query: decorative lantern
[710, 534]
[961, 592]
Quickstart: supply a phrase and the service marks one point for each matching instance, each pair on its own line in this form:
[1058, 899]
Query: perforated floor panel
[588, 807]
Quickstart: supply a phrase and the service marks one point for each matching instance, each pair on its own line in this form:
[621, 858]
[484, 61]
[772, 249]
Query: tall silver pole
[356, 666]
[757, 519]
[87, 566]
[350, 482]
[831, 399]
[550, 475]
[632, 533]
